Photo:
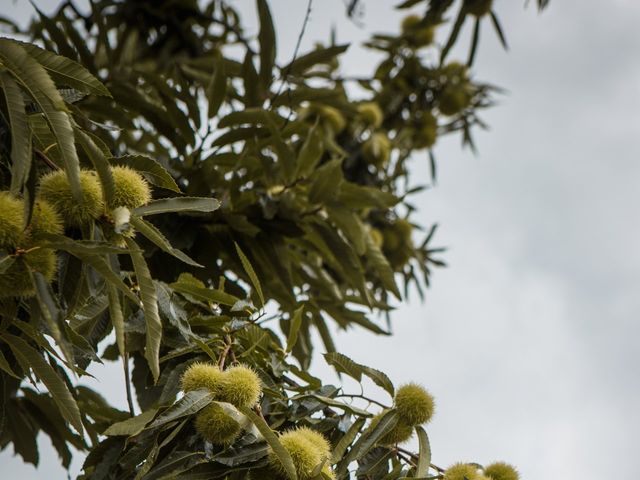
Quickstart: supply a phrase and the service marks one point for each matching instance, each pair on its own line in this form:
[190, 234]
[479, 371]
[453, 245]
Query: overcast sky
[529, 339]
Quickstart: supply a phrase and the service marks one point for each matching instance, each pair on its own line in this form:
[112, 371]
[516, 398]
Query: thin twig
[127, 383]
[285, 75]
[362, 397]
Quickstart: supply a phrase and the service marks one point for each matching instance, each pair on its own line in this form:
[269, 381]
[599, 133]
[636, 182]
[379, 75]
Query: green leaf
[154, 235]
[149, 298]
[371, 436]
[350, 225]
[34, 79]
[267, 40]
[217, 87]
[296, 322]
[341, 405]
[320, 55]
[311, 151]
[272, 440]
[30, 358]
[499, 32]
[20, 133]
[131, 426]
[191, 403]
[382, 267]
[183, 204]
[117, 318]
[4, 365]
[155, 173]
[326, 182]
[86, 247]
[251, 273]
[65, 71]
[250, 81]
[359, 196]
[205, 294]
[344, 364]
[424, 456]
[347, 439]
[99, 163]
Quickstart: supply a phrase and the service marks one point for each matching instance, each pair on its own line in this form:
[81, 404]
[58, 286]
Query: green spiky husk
[377, 237]
[214, 425]
[305, 455]
[414, 404]
[16, 280]
[203, 375]
[55, 189]
[426, 133]
[131, 190]
[453, 100]
[371, 114]
[461, 471]
[45, 219]
[376, 149]
[501, 471]
[11, 220]
[317, 439]
[399, 434]
[333, 117]
[241, 386]
[410, 22]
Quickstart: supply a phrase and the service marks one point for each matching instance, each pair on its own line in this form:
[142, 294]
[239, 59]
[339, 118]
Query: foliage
[278, 204]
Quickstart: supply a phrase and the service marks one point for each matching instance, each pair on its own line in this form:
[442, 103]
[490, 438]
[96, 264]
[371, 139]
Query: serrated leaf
[181, 204]
[267, 40]
[34, 79]
[153, 337]
[424, 455]
[320, 55]
[191, 403]
[20, 133]
[4, 365]
[154, 235]
[368, 439]
[250, 81]
[131, 426]
[205, 294]
[272, 439]
[248, 268]
[30, 358]
[99, 163]
[117, 318]
[217, 88]
[66, 71]
[382, 267]
[344, 364]
[155, 173]
[346, 440]
[294, 328]
[326, 181]
[311, 151]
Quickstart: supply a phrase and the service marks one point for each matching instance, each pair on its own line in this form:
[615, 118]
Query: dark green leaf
[131, 426]
[20, 133]
[155, 173]
[150, 308]
[272, 439]
[32, 359]
[182, 204]
[344, 364]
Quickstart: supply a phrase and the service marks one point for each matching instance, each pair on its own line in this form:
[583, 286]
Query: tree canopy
[175, 200]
